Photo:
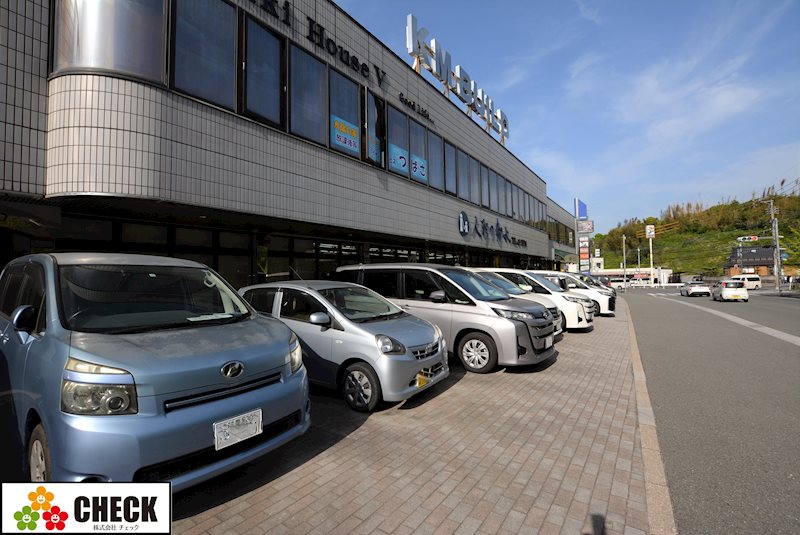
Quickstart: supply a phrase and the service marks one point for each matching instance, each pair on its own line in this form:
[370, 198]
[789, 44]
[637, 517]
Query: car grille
[432, 371]
[205, 397]
[555, 313]
[193, 461]
[423, 352]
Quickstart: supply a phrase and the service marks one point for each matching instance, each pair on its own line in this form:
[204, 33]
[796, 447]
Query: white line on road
[775, 333]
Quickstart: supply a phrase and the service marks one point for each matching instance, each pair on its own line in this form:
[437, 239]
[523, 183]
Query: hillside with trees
[691, 238]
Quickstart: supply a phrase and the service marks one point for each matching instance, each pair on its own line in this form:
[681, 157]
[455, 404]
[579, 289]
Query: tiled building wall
[23, 95]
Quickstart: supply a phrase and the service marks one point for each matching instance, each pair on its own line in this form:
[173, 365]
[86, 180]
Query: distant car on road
[729, 290]
[695, 288]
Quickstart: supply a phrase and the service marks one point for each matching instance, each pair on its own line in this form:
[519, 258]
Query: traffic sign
[650, 231]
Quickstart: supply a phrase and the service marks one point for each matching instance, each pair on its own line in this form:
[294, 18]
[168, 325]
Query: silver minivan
[484, 325]
[355, 340]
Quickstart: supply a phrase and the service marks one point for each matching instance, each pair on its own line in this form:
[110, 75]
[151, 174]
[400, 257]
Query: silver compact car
[695, 288]
[355, 340]
[142, 368]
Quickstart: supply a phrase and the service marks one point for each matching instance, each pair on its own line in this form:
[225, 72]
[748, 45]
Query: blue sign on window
[374, 147]
[419, 168]
[398, 159]
[345, 135]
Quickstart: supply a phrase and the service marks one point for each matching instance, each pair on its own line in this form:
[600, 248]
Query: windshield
[475, 286]
[579, 283]
[501, 282]
[360, 304]
[118, 299]
[553, 287]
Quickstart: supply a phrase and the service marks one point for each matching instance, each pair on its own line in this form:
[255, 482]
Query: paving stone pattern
[553, 448]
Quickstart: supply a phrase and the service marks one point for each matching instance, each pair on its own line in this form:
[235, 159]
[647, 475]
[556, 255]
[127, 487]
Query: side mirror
[320, 318]
[526, 287]
[438, 296]
[571, 285]
[23, 318]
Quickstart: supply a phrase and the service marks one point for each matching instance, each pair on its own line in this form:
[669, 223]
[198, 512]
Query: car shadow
[12, 468]
[457, 372]
[331, 421]
[534, 368]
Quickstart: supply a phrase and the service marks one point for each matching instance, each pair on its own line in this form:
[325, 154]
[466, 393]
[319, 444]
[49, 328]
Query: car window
[477, 287]
[347, 275]
[10, 286]
[360, 304]
[262, 299]
[382, 281]
[32, 293]
[297, 305]
[419, 285]
[454, 295]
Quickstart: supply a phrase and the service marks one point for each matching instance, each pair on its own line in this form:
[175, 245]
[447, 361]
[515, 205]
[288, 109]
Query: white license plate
[548, 341]
[234, 430]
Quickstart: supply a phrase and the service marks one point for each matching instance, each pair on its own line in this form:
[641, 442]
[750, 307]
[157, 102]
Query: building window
[474, 181]
[419, 151]
[463, 175]
[501, 195]
[376, 129]
[398, 141]
[509, 197]
[345, 117]
[485, 186]
[435, 161]
[492, 190]
[119, 35]
[450, 168]
[308, 96]
[205, 50]
[263, 66]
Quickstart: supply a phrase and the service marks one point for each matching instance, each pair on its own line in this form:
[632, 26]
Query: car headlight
[514, 315]
[94, 389]
[295, 354]
[573, 299]
[437, 336]
[389, 346]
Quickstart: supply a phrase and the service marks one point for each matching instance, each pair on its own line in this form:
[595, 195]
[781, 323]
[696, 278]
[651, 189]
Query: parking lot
[553, 448]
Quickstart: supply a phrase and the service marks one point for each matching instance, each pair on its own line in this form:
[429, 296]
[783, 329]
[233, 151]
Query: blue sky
[628, 105]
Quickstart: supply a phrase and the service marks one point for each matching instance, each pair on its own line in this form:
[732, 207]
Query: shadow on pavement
[457, 372]
[12, 468]
[534, 368]
[598, 525]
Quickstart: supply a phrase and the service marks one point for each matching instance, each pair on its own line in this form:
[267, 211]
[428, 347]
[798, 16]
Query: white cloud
[589, 12]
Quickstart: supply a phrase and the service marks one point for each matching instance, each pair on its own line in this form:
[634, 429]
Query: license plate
[548, 341]
[234, 430]
[421, 380]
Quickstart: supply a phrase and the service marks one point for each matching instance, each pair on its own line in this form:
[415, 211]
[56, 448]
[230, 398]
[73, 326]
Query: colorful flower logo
[26, 519]
[55, 518]
[40, 499]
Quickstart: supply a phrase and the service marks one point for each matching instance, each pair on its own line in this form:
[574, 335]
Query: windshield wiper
[385, 316]
[218, 319]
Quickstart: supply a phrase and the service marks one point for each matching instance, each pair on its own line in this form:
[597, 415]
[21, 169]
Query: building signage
[486, 231]
[345, 135]
[419, 167]
[433, 56]
[316, 34]
[413, 105]
[271, 7]
[398, 159]
[585, 227]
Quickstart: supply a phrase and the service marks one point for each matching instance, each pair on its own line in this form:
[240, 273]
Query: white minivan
[604, 301]
[751, 281]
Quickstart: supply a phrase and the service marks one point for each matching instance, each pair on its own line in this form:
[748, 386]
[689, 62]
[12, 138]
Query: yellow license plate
[421, 380]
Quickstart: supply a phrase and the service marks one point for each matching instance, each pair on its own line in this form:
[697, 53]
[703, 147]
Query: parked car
[355, 340]
[594, 282]
[484, 325]
[142, 368]
[751, 282]
[695, 288]
[603, 300]
[729, 290]
[515, 291]
[617, 283]
[577, 311]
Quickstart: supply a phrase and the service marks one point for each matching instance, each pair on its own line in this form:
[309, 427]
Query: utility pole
[651, 262]
[624, 266]
[776, 252]
[638, 260]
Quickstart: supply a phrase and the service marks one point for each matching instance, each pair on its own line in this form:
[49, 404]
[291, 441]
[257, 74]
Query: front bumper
[535, 343]
[402, 378]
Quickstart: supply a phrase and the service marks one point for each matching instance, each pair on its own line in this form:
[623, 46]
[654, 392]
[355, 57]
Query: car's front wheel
[361, 388]
[596, 308]
[478, 352]
[39, 462]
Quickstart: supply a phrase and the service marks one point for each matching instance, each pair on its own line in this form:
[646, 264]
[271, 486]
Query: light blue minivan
[142, 368]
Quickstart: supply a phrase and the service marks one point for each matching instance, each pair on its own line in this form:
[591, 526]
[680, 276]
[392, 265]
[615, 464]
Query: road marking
[775, 333]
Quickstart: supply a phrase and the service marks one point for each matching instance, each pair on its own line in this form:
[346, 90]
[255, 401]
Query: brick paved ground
[549, 449]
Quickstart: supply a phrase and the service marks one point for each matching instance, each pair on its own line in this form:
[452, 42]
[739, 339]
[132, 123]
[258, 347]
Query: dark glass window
[261, 299]
[501, 194]
[297, 305]
[492, 190]
[398, 141]
[383, 282]
[376, 129]
[474, 181]
[509, 197]
[345, 117]
[308, 96]
[9, 287]
[419, 151]
[419, 285]
[435, 161]
[205, 50]
[263, 73]
[485, 186]
[450, 168]
[463, 175]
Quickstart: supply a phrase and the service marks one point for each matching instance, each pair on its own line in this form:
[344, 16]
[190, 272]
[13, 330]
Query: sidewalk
[555, 448]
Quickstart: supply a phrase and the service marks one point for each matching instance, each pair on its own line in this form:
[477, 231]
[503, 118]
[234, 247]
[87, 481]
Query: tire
[563, 322]
[596, 308]
[745, 300]
[38, 459]
[477, 352]
[361, 388]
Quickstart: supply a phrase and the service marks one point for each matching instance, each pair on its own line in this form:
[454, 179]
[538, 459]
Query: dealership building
[267, 139]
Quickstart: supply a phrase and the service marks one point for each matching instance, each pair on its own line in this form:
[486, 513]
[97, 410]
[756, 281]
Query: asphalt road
[726, 399]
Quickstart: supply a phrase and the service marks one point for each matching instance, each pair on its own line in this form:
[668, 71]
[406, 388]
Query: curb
[659, 504]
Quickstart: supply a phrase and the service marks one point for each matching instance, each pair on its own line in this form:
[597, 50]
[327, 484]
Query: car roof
[303, 285]
[116, 259]
[401, 265]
